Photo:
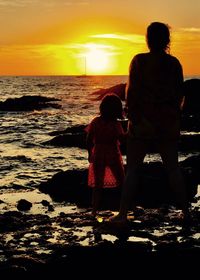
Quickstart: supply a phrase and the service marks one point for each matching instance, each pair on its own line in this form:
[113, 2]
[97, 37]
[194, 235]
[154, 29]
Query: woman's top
[154, 95]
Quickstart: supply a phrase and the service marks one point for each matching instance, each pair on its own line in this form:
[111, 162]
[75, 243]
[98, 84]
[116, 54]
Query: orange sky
[67, 37]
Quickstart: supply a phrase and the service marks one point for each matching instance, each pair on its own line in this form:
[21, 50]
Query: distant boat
[85, 70]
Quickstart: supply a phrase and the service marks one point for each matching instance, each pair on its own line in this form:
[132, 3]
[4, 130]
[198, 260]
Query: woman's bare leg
[136, 151]
[169, 154]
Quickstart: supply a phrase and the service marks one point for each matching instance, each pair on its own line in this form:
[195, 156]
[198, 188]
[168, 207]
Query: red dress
[106, 168]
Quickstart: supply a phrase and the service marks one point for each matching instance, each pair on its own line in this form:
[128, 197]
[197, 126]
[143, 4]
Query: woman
[153, 96]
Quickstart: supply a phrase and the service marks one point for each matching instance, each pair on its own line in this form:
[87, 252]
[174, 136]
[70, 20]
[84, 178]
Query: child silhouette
[104, 135]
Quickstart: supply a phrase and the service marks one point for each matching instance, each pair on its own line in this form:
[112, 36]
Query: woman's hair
[158, 36]
[111, 107]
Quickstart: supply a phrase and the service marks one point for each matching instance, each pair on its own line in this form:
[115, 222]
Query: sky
[95, 37]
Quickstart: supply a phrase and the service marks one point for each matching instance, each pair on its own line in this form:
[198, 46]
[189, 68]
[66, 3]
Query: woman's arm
[132, 92]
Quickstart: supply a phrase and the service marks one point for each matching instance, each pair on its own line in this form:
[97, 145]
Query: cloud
[49, 3]
[79, 49]
[184, 38]
[132, 38]
[190, 29]
[17, 3]
[32, 51]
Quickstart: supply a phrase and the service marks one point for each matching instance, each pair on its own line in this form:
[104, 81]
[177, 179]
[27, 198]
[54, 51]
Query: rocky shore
[64, 242]
[35, 244]
[72, 243]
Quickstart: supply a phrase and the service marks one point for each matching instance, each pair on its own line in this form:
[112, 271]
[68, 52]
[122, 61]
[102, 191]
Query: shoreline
[38, 243]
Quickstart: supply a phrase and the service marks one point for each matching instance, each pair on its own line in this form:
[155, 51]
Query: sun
[96, 60]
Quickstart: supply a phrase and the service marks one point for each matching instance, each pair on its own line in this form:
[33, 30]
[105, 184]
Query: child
[104, 135]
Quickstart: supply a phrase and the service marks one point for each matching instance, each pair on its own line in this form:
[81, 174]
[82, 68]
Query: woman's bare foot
[94, 213]
[118, 219]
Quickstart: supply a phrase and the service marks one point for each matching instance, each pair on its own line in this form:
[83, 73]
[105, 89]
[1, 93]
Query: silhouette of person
[153, 98]
[104, 135]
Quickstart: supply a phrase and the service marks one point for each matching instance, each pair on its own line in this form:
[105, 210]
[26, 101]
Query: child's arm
[89, 144]
[89, 139]
[122, 132]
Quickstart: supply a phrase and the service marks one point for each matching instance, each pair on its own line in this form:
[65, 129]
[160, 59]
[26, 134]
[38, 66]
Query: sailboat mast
[85, 66]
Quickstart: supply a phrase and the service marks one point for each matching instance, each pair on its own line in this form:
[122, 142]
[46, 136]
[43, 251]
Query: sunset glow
[65, 37]
[96, 60]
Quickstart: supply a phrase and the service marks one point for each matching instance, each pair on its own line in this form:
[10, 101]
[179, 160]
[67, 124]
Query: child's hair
[111, 107]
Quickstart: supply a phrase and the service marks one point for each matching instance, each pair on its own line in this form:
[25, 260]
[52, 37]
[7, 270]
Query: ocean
[25, 161]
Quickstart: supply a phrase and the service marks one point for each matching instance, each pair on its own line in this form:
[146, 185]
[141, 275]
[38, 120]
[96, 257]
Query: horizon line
[75, 75]
[63, 75]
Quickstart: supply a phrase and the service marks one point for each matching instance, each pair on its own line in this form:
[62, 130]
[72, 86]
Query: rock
[153, 191]
[68, 140]
[50, 208]
[187, 142]
[118, 89]
[24, 205]
[73, 129]
[45, 202]
[40, 245]
[29, 103]
[191, 91]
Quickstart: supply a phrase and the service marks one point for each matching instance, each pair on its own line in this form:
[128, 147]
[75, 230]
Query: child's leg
[96, 200]
[99, 171]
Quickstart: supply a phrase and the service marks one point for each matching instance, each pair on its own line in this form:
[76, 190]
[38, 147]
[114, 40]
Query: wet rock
[50, 208]
[24, 205]
[41, 244]
[71, 186]
[29, 103]
[21, 265]
[76, 137]
[45, 202]
[73, 129]
[68, 140]
[190, 122]
[189, 142]
[118, 89]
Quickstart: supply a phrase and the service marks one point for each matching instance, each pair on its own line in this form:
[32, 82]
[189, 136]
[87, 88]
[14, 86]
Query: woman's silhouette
[153, 96]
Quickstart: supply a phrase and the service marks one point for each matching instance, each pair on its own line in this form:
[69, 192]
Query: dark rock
[45, 202]
[24, 205]
[16, 221]
[190, 122]
[118, 89]
[191, 91]
[153, 191]
[29, 103]
[45, 246]
[76, 137]
[189, 142]
[73, 129]
[50, 208]
[68, 140]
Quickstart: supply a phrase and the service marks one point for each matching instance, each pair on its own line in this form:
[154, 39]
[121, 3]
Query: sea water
[25, 161]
